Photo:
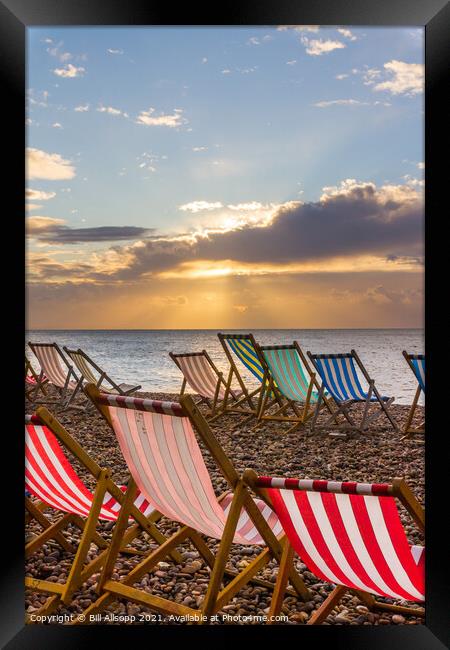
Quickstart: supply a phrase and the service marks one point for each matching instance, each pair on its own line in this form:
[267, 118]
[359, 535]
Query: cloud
[226, 71]
[421, 165]
[200, 206]
[48, 166]
[199, 148]
[254, 40]
[317, 47]
[112, 51]
[54, 231]
[82, 108]
[57, 52]
[252, 205]
[111, 111]
[346, 33]
[340, 102]
[405, 78]
[299, 28]
[57, 125]
[172, 120]
[350, 219]
[341, 76]
[69, 71]
[291, 62]
[38, 195]
[348, 102]
[148, 161]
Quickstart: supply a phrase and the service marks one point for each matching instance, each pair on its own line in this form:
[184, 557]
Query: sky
[256, 177]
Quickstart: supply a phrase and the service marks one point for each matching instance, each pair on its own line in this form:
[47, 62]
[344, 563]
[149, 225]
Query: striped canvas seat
[32, 380]
[49, 357]
[246, 353]
[51, 478]
[340, 378]
[349, 534]
[289, 373]
[418, 366]
[199, 375]
[338, 373]
[164, 458]
[83, 367]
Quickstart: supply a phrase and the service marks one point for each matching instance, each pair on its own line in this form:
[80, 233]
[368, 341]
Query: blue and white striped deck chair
[340, 378]
[289, 370]
[417, 364]
[244, 347]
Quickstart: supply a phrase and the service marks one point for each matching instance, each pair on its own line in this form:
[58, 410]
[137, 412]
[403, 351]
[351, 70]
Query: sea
[142, 356]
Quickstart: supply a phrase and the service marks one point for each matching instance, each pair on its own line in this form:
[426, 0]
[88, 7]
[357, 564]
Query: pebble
[398, 619]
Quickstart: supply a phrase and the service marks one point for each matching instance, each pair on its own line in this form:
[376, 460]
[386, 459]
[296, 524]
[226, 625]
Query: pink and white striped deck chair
[202, 375]
[33, 382]
[349, 534]
[159, 445]
[53, 482]
[58, 371]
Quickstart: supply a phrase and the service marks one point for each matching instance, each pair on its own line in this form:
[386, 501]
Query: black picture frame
[15, 17]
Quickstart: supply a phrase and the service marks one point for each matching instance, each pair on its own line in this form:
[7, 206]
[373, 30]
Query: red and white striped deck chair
[54, 483]
[34, 384]
[58, 371]
[202, 375]
[159, 445]
[349, 534]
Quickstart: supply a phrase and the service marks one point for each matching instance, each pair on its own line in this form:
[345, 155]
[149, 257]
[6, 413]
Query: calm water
[141, 356]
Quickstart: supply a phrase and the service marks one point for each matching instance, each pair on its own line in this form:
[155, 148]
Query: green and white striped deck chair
[289, 370]
[244, 347]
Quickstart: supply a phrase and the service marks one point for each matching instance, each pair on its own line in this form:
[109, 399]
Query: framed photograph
[227, 223]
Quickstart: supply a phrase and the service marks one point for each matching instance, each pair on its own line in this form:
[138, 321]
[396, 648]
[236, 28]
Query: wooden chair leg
[412, 410]
[222, 554]
[286, 563]
[328, 605]
[88, 534]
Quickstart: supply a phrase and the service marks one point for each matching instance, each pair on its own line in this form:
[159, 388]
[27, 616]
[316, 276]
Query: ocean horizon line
[214, 329]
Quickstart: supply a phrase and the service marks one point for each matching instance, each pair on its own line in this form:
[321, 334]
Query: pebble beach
[377, 456]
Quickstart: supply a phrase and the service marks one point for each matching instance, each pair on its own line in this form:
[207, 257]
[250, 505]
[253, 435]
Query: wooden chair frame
[302, 412]
[408, 430]
[109, 590]
[80, 571]
[65, 398]
[103, 376]
[251, 410]
[40, 383]
[216, 407]
[344, 406]
[399, 489]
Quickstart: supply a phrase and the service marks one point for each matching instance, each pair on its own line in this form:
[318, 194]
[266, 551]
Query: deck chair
[289, 372]
[32, 381]
[417, 364]
[340, 378]
[349, 534]
[59, 372]
[53, 482]
[202, 375]
[159, 445]
[244, 347]
[88, 369]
